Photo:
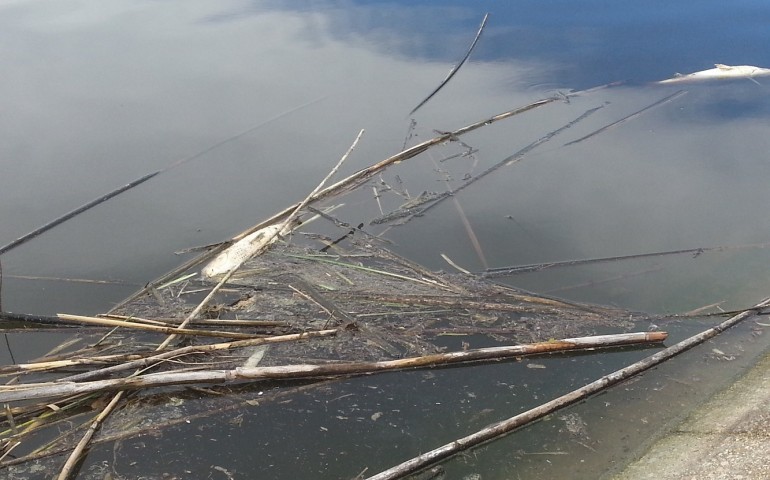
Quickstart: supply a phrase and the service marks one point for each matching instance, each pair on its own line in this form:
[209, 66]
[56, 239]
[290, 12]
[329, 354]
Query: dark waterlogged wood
[509, 425]
[11, 393]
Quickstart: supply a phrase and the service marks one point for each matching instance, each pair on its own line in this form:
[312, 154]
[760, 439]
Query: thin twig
[68, 470]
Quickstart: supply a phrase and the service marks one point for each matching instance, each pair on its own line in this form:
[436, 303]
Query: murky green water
[97, 94]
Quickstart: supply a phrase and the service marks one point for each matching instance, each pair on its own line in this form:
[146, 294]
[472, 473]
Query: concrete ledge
[726, 438]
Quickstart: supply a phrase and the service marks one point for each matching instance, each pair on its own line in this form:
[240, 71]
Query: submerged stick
[11, 393]
[97, 201]
[660, 102]
[67, 216]
[38, 231]
[455, 68]
[507, 426]
[536, 267]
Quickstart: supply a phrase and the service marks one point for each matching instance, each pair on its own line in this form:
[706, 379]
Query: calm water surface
[97, 94]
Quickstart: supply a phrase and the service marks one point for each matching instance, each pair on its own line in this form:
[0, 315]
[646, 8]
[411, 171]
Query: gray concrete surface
[726, 438]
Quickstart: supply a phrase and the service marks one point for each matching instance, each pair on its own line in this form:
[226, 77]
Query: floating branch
[507, 426]
[455, 68]
[11, 393]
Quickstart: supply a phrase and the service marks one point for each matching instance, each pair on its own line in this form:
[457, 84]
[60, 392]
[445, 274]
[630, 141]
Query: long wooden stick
[152, 328]
[127, 361]
[506, 426]
[12, 393]
[143, 362]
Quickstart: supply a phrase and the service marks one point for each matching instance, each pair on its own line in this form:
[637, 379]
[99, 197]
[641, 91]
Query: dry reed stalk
[29, 236]
[240, 322]
[72, 362]
[107, 322]
[507, 426]
[68, 470]
[33, 391]
[145, 361]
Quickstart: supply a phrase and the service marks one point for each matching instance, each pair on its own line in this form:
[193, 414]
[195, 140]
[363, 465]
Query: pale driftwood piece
[264, 242]
[107, 322]
[255, 243]
[11, 393]
[507, 426]
[219, 322]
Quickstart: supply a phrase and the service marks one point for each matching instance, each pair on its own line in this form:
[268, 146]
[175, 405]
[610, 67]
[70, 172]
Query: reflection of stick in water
[455, 68]
[34, 233]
